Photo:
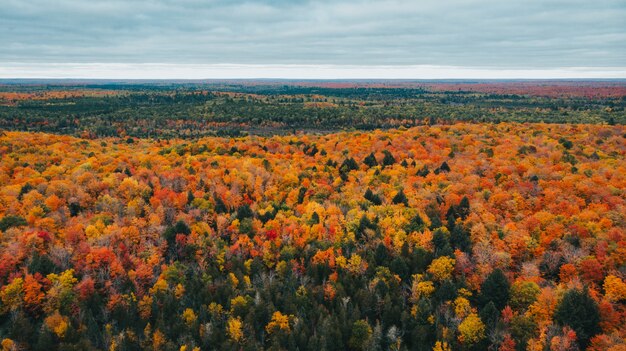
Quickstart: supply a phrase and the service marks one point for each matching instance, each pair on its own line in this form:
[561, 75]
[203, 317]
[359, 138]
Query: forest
[336, 216]
[232, 108]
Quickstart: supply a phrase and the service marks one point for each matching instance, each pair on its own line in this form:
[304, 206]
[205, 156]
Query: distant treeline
[194, 110]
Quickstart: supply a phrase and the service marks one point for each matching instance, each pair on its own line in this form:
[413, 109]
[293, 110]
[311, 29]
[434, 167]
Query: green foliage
[523, 294]
[388, 160]
[581, 313]
[370, 160]
[373, 198]
[10, 221]
[400, 198]
[360, 335]
[495, 289]
[523, 328]
[142, 110]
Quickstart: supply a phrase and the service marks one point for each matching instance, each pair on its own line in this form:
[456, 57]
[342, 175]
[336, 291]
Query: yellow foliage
[441, 268]
[160, 286]
[237, 303]
[472, 329]
[189, 317]
[8, 345]
[233, 280]
[145, 306]
[179, 291]
[354, 265]
[441, 346]
[158, 340]
[93, 231]
[65, 280]
[421, 289]
[278, 322]
[216, 309]
[57, 324]
[234, 329]
[12, 295]
[615, 288]
[462, 307]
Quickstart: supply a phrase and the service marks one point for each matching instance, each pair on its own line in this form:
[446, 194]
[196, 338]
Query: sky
[312, 39]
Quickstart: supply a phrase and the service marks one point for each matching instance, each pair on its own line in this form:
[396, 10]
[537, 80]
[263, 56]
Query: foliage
[168, 110]
[580, 312]
[265, 243]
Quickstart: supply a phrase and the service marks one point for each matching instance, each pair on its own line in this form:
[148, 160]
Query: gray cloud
[480, 33]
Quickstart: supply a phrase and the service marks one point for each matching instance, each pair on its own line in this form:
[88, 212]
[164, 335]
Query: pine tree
[581, 313]
[400, 198]
[370, 160]
[388, 160]
[495, 289]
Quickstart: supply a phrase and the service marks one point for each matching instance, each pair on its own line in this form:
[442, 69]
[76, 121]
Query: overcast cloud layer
[532, 35]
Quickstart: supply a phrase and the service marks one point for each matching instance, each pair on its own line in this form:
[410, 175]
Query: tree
[58, 324]
[370, 160]
[614, 288]
[441, 268]
[490, 315]
[348, 165]
[416, 224]
[463, 209]
[400, 198]
[373, 198]
[234, 329]
[471, 330]
[495, 289]
[443, 168]
[279, 322]
[11, 295]
[388, 160]
[423, 172]
[441, 242]
[523, 294]
[33, 296]
[581, 313]
[360, 335]
[10, 221]
[459, 238]
[523, 328]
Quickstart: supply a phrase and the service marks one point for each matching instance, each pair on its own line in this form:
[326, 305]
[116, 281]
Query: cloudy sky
[300, 38]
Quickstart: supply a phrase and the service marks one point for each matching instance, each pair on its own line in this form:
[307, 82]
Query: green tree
[581, 313]
[495, 289]
[523, 294]
[388, 160]
[360, 335]
[400, 198]
[370, 160]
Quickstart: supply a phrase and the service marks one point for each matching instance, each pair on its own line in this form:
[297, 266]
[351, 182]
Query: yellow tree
[615, 288]
[441, 268]
[471, 329]
[234, 329]
[279, 322]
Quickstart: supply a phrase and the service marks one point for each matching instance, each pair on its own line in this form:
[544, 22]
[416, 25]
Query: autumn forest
[379, 215]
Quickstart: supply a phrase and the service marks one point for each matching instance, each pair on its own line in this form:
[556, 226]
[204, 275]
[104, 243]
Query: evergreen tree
[489, 315]
[581, 313]
[370, 160]
[388, 160]
[373, 198]
[416, 224]
[400, 198]
[495, 289]
[423, 172]
[441, 243]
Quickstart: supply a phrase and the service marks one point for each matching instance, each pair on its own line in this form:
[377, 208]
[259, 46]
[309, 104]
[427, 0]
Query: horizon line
[226, 71]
